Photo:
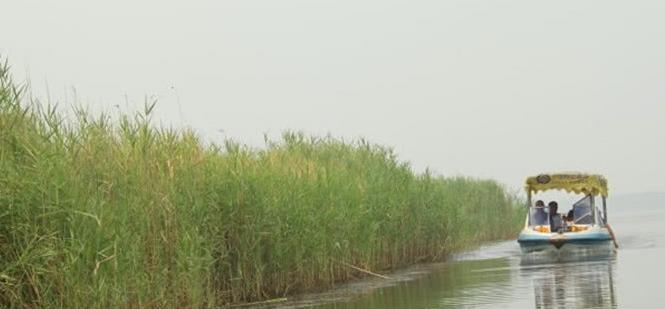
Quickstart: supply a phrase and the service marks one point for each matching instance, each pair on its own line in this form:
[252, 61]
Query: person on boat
[570, 215]
[556, 222]
[539, 215]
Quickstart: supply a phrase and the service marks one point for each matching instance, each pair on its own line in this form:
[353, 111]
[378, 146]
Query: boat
[583, 229]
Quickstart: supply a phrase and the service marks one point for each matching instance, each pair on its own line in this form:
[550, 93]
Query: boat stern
[533, 239]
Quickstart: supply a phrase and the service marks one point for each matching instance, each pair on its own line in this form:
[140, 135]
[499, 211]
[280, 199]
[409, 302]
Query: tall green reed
[97, 212]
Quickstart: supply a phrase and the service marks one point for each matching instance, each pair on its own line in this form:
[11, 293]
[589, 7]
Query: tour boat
[585, 227]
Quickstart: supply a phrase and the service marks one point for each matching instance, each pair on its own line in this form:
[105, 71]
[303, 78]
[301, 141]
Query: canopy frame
[578, 183]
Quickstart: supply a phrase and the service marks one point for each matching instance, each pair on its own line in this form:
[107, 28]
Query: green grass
[104, 213]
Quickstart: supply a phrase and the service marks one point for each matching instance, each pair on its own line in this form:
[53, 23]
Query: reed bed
[104, 213]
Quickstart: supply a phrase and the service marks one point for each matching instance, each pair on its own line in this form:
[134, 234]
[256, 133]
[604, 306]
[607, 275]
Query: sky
[482, 88]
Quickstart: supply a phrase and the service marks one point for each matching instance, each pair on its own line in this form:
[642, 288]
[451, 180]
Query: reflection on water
[501, 282]
[573, 276]
[509, 282]
[573, 285]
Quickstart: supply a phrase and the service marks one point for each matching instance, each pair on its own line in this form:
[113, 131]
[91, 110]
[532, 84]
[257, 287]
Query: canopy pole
[593, 208]
[605, 209]
[528, 205]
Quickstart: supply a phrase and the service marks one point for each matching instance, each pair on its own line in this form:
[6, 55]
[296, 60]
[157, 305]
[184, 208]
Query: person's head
[553, 207]
[540, 203]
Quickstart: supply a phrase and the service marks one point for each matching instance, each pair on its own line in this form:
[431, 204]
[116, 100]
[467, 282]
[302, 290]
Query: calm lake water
[498, 275]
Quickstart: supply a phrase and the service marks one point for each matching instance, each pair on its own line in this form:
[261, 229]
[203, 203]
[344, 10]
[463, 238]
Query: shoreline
[362, 286]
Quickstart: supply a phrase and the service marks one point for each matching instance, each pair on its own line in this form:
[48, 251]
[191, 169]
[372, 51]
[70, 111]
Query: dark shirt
[556, 222]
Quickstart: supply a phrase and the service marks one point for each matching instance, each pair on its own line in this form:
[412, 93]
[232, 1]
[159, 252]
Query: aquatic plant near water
[96, 212]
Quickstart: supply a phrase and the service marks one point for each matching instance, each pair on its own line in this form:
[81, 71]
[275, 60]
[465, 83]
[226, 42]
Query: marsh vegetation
[99, 211]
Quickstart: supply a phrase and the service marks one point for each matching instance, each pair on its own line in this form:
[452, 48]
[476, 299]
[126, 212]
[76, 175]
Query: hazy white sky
[499, 89]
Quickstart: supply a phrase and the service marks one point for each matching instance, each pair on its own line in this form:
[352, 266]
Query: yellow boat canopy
[571, 182]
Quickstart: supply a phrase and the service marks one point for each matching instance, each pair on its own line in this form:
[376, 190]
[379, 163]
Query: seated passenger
[539, 217]
[556, 222]
[569, 216]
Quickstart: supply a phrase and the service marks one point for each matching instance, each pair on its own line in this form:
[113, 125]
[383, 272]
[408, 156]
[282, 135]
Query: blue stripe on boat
[578, 238]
